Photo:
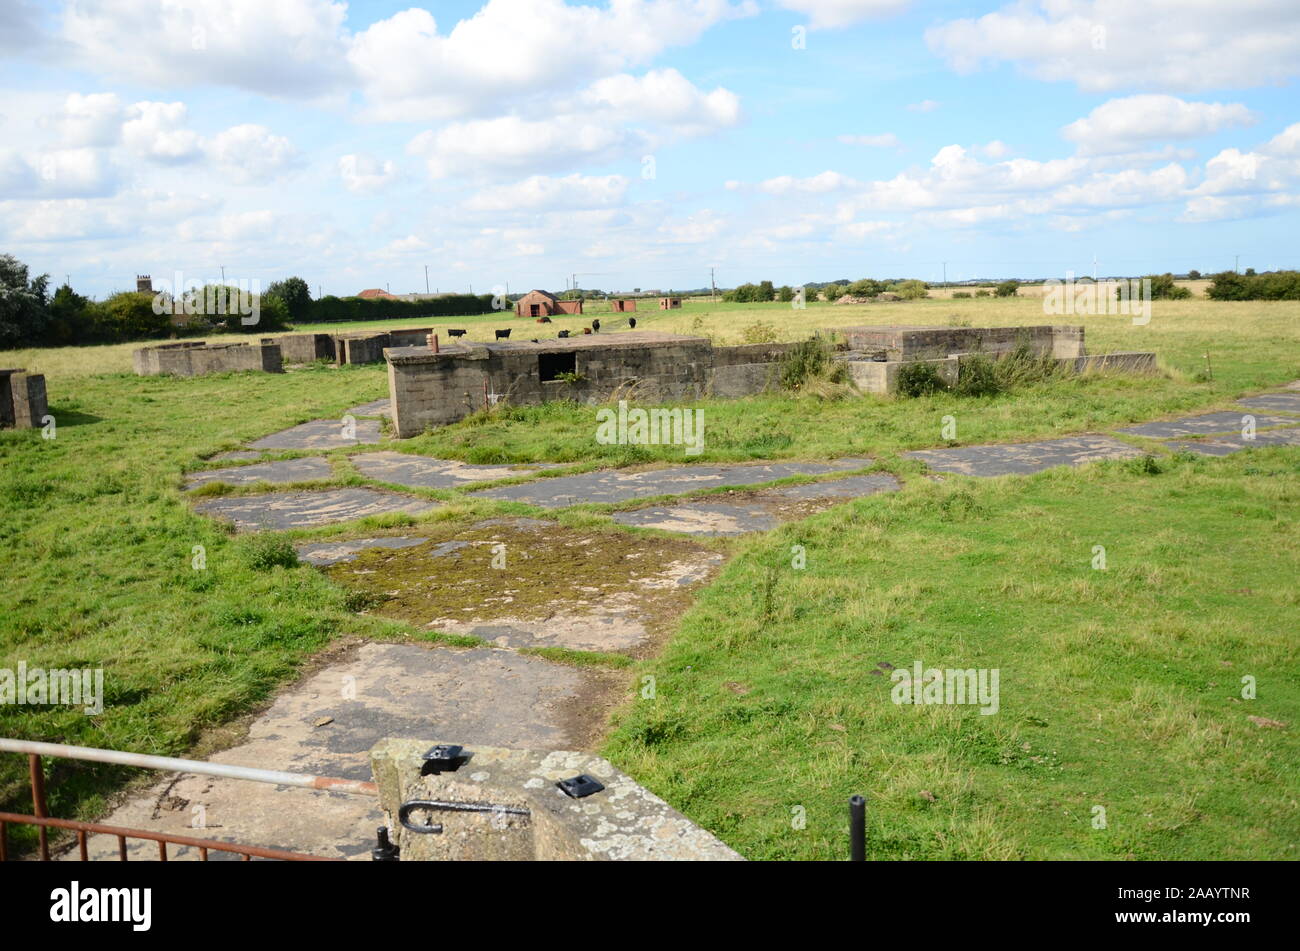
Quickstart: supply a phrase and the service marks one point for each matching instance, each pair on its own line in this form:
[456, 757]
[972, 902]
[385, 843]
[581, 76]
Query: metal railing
[43, 822]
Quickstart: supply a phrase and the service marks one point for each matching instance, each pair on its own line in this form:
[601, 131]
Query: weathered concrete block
[512, 810]
[27, 391]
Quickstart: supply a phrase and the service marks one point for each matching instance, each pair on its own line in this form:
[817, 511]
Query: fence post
[38, 801]
[858, 828]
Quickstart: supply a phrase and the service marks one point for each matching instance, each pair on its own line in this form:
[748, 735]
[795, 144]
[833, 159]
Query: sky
[642, 143]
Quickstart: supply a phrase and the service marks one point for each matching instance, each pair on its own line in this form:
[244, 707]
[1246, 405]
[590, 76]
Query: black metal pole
[858, 828]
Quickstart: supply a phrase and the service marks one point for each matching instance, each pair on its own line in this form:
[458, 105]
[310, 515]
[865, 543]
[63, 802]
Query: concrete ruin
[434, 389]
[196, 357]
[22, 399]
[875, 355]
[442, 802]
[428, 388]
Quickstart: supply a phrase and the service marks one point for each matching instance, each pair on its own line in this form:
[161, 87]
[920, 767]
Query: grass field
[1117, 686]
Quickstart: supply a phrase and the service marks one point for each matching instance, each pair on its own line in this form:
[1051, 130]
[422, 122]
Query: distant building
[670, 303]
[622, 305]
[545, 304]
[143, 284]
[375, 293]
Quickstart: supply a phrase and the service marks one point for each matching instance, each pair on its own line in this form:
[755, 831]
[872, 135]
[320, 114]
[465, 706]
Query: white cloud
[1102, 45]
[829, 14]
[662, 96]
[827, 181]
[511, 145]
[540, 192]
[1127, 124]
[925, 105]
[285, 48]
[92, 120]
[365, 173]
[886, 140]
[251, 154]
[515, 48]
[155, 130]
[56, 173]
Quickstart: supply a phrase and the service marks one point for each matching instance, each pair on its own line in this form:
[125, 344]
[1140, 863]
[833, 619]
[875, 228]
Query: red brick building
[543, 304]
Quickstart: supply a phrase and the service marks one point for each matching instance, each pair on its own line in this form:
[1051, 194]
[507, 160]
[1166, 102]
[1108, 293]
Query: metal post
[858, 828]
[38, 801]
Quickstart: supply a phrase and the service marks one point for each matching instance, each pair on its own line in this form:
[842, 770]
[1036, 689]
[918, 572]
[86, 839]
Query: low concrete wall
[198, 358]
[306, 348]
[936, 343]
[532, 819]
[22, 399]
[1125, 362]
[875, 376]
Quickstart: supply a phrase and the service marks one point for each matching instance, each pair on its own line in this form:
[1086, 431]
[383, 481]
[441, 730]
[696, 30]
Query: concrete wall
[935, 343]
[622, 822]
[198, 358]
[22, 399]
[306, 348]
[434, 389]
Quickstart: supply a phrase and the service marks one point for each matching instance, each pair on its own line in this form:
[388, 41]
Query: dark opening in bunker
[551, 365]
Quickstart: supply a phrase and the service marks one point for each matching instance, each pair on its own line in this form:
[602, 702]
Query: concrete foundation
[22, 399]
[195, 358]
[511, 809]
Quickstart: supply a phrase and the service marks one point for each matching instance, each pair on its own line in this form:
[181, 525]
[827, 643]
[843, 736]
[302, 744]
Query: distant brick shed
[545, 304]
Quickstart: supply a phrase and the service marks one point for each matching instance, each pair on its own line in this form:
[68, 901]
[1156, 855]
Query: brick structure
[670, 303]
[545, 304]
[195, 358]
[143, 284]
[22, 399]
[306, 348]
[622, 305]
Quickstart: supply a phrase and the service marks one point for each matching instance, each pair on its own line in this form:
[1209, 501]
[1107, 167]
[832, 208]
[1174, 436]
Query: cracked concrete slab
[380, 407]
[518, 583]
[1277, 402]
[408, 469]
[621, 485]
[235, 455]
[1203, 424]
[326, 724]
[1024, 458]
[759, 512]
[278, 511]
[321, 434]
[1224, 446]
[277, 470]
[322, 554]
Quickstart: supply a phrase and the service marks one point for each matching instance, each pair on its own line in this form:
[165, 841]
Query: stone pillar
[22, 399]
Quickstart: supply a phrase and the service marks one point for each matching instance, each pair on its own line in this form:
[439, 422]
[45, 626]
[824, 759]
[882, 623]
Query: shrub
[262, 552]
[983, 292]
[911, 290]
[978, 376]
[129, 315]
[867, 288]
[919, 379]
[758, 332]
[1164, 288]
[1276, 285]
[22, 303]
[1007, 288]
[960, 295]
[811, 360]
[1023, 367]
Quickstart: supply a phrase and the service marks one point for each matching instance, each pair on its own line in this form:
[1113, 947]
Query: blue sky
[639, 143]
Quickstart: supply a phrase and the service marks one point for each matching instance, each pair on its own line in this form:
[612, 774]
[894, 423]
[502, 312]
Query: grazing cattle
[631, 323]
[543, 320]
[586, 330]
[563, 333]
[595, 326]
[455, 333]
[503, 334]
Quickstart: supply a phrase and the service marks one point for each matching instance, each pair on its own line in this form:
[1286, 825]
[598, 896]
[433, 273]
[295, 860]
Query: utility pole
[223, 274]
[945, 272]
[1236, 264]
[713, 286]
[426, 278]
[1094, 269]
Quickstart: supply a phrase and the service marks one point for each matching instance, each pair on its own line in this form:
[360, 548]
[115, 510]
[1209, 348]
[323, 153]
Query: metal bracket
[579, 786]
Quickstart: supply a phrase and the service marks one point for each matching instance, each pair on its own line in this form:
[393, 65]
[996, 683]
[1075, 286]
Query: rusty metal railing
[42, 820]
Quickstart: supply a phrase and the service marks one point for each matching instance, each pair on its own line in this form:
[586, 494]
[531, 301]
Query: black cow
[455, 333]
[631, 323]
[503, 334]
[595, 326]
[563, 333]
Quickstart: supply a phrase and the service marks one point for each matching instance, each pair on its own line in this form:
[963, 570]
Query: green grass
[1119, 688]
[96, 543]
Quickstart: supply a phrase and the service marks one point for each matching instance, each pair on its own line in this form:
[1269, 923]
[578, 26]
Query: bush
[809, 361]
[758, 332]
[960, 295]
[919, 379]
[130, 315]
[262, 552]
[22, 303]
[867, 288]
[983, 292]
[296, 296]
[978, 376]
[1276, 285]
[1007, 288]
[1164, 288]
[911, 290]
